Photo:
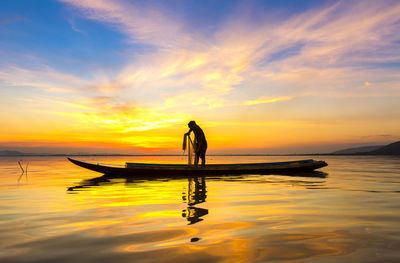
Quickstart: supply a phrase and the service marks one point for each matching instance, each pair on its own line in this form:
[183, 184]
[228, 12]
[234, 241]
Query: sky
[105, 76]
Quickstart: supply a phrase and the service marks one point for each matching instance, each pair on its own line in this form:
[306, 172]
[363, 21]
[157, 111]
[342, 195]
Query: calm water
[61, 213]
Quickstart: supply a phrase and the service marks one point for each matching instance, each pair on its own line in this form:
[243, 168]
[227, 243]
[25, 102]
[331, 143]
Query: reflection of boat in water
[165, 170]
[196, 192]
[198, 182]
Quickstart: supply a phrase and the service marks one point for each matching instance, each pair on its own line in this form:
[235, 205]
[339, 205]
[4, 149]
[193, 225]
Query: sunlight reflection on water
[61, 212]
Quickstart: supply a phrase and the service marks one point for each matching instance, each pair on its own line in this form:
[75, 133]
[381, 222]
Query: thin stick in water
[21, 167]
[19, 178]
[26, 171]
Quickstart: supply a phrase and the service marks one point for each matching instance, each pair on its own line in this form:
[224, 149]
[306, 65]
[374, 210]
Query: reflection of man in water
[196, 194]
[200, 143]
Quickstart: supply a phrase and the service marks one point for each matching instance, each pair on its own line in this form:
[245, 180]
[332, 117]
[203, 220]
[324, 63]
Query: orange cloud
[265, 100]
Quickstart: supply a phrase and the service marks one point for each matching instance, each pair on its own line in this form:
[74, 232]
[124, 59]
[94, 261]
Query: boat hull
[168, 170]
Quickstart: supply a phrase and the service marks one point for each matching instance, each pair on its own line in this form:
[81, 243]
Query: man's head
[192, 124]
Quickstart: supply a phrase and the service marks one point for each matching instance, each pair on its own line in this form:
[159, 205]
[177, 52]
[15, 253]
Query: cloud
[265, 100]
[110, 113]
[13, 19]
[46, 79]
[74, 26]
[143, 23]
[323, 50]
[334, 45]
[50, 88]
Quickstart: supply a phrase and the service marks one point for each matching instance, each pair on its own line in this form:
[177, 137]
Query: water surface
[59, 212]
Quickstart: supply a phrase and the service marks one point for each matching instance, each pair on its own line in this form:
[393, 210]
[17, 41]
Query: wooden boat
[168, 170]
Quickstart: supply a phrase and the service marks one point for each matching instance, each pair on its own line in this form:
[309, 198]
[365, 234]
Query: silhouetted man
[200, 143]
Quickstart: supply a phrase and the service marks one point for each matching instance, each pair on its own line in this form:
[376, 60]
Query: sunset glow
[104, 76]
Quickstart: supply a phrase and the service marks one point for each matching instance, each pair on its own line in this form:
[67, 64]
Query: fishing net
[188, 144]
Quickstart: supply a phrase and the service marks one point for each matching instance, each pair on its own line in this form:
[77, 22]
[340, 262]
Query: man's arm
[188, 133]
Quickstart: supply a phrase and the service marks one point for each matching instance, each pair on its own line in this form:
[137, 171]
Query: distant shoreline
[392, 149]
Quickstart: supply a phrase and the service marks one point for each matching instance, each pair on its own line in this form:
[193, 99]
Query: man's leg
[196, 159]
[203, 158]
